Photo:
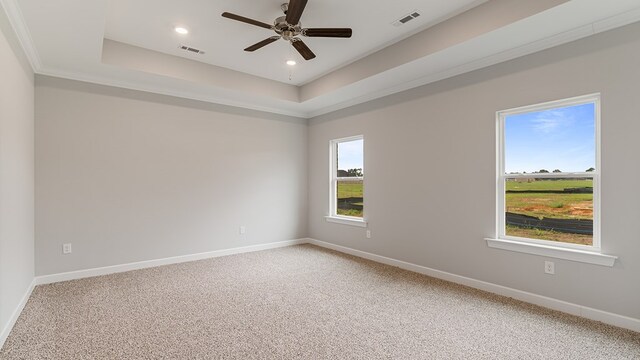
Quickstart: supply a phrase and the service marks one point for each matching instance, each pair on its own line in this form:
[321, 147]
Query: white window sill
[583, 256]
[346, 221]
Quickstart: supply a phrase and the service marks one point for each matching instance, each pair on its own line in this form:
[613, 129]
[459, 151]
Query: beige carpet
[298, 302]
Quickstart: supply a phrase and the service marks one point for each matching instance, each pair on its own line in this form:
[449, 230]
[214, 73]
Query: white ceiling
[66, 38]
[223, 40]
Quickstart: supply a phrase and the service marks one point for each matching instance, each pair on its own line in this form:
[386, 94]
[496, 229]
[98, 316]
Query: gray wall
[16, 173]
[438, 214]
[127, 176]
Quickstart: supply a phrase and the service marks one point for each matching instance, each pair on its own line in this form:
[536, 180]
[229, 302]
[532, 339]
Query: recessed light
[291, 62]
[181, 30]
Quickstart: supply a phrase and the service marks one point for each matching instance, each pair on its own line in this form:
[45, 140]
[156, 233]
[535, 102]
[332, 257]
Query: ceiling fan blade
[303, 49]
[262, 43]
[294, 12]
[328, 32]
[246, 20]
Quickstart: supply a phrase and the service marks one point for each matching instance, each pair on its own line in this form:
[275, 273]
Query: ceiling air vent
[406, 18]
[190, 49]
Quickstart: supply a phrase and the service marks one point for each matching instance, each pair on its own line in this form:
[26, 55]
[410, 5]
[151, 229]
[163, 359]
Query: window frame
[595, 175]
[333, 184]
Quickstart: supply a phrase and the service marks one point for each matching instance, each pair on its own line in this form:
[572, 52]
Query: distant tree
[591, 169]
[354, 172]
[557, 171]
[543, 171]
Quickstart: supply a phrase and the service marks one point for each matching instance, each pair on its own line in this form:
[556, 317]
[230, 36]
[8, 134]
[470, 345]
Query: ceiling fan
[288, 27]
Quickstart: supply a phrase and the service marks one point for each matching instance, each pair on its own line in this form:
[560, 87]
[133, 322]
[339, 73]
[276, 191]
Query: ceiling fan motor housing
[286, 30]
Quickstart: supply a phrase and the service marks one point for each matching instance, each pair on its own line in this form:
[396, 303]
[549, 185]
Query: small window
[347, 178]
[549, 173]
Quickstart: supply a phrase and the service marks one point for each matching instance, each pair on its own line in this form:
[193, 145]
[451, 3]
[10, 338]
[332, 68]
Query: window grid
[334, 179]
[503, 177]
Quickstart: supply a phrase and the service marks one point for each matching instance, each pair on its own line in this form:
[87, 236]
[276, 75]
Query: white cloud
[551, 120]
[545, 125]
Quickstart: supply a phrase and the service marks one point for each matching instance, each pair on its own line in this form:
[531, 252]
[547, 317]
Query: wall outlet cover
[549, 267]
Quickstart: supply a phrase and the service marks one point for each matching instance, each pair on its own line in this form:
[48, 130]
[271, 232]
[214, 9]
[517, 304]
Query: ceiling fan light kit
[181, 30]
[289, 28]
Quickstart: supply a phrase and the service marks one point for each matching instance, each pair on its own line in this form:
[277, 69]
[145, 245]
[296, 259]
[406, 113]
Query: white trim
[616, 21]
[18, 23]
[16, 314]
[80, 274]
[583, 256]
[333, 182]
[350, 178]
[558, 39]
[162, 90]
[16, 19]
[551, 303]
[547, 302]
[572, 101]
[562, 175]
[550, 243]
[502, 177]
[344, 220]
[348, 138]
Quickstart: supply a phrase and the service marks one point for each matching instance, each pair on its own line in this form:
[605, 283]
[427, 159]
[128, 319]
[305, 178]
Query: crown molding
[617, 21]
[16, 19]
[565, 37]
[101, 80]
[305, 109]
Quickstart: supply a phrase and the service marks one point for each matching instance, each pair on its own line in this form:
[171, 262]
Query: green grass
[549, 184]
[549, 205]
[533, 233]
[562, 206]
[352, 190]
[350, 212]
[559, 206]
[348, 189]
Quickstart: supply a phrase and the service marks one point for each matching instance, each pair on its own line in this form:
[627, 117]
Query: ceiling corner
[16, 19]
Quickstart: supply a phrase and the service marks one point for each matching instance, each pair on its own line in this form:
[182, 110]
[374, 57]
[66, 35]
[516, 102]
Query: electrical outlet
[243, 229]
[66, 249]
[549, 267]
[368, 234]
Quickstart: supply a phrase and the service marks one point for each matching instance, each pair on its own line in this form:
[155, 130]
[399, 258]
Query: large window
[347, 180]
[548, 176]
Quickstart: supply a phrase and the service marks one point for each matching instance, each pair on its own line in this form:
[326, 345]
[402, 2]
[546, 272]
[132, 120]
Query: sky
[350, 155]
[561, 138]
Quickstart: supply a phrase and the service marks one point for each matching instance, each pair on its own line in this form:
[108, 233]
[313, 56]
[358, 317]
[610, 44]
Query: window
[549, 174]
[347, 181]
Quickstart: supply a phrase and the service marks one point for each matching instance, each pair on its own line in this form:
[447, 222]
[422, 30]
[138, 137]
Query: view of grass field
[350, 201]
[522, 198]
[570, 199]
[350, 166]
[543, 140]
[532, 233]
[551, 199]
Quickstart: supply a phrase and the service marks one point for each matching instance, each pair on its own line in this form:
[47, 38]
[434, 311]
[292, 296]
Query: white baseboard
[80, 274]
[547, 302]
[551, 303]
[16, 313]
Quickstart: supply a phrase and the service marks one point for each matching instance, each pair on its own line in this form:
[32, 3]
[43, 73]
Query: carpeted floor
[297, 302]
